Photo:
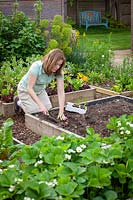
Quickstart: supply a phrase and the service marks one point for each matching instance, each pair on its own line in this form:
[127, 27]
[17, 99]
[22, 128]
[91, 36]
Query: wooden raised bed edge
[110, 92]
[76, 96]
[42, 127]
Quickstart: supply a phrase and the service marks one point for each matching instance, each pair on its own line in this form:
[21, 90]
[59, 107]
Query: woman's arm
[61, 98]
[31, 83]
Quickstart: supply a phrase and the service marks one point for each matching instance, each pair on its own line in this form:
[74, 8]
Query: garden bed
[97, 116]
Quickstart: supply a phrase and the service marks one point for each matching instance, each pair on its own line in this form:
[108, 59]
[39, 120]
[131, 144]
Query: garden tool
[72, 107]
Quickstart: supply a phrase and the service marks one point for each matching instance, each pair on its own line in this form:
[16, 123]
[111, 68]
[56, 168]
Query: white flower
[28, 198]
[102, 56]
[55, 182]
[122, 132]
[11, 166]
[83, 146]
[122, 128]
[119, 123]
[39, 162]
[131, 125]
[60, 138]
[1, 171]
[106, 146]
[18, 180]
[52, 183]
[71, 151]
[79, 149]
[67, 157]
[12, 188]
[41, 182]
[127, 132]
[1, 161]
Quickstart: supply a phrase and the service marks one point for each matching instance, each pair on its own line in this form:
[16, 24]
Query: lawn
[119, 38]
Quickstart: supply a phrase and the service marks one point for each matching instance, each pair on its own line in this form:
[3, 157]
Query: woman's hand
[44, 110]
[62, 117]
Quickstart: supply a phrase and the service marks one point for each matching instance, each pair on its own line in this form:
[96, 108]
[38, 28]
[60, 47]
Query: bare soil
[97, 117]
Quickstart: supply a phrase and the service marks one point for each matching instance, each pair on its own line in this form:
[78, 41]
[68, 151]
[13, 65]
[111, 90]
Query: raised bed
[43, 126]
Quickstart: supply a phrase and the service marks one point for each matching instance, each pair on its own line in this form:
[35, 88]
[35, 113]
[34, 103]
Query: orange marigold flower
[84, 78]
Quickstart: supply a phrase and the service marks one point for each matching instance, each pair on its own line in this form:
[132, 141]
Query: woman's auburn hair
[51, 59]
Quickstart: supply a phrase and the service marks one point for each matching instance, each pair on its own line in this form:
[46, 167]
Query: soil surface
[97, 117]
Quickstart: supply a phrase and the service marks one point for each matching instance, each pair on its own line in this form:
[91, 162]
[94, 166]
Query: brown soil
[97, 117]
[20, 132]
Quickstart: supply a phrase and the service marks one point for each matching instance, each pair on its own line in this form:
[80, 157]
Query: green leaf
[98, 177]
[66, 189]
[29, 154]
[110, 195]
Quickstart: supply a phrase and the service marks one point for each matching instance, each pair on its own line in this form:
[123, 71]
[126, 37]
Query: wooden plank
[75, 97]
[105, 91]
[42, 127]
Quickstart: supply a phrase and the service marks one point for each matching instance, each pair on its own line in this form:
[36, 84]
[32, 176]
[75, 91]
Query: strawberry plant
[69, 167]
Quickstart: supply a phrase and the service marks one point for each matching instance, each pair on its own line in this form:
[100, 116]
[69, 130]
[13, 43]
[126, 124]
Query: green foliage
[11, 73]
[19, 36]
[122, 75]
[69, 167]
[59, 36]
[6, 133]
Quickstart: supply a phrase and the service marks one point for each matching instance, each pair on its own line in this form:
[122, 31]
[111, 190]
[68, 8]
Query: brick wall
[132, 25]
[50, 7]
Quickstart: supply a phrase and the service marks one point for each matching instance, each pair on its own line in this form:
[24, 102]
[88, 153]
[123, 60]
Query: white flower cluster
[39, 162]
[52, 183]
[1, 161]
[80, 148]
[122, 129]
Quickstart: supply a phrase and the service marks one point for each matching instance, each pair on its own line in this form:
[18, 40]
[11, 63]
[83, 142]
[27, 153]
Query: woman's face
[57, 66]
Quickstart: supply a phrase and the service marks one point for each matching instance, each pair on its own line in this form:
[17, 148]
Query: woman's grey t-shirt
[42, 80]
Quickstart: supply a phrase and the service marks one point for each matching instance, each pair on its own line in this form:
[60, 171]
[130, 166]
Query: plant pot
[7, 109]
